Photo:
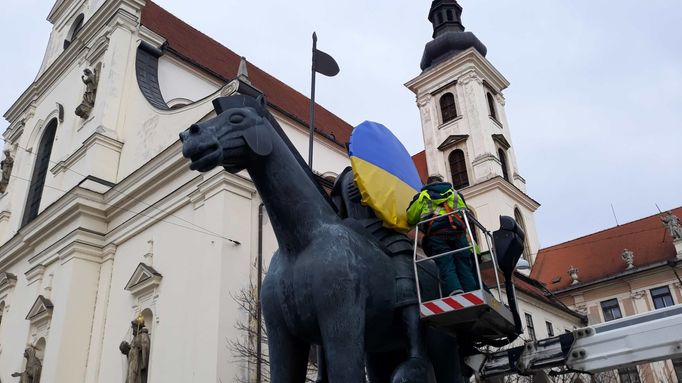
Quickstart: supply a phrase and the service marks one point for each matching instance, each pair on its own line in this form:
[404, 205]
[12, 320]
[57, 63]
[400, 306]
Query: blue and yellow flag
[384, 173]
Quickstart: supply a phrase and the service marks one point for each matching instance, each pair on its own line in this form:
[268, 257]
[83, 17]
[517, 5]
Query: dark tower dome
[449, 37]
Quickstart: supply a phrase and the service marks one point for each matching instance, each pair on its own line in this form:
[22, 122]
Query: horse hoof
[413, 370]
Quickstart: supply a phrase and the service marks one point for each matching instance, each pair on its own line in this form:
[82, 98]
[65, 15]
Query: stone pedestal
[678, 248]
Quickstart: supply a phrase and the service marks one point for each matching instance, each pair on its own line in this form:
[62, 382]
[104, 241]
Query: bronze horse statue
[329, 283]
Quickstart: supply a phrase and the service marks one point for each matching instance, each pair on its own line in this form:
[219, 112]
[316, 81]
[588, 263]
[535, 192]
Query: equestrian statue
[339, 278]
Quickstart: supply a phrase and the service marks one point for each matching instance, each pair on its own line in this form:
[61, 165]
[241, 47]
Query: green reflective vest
[424, 207]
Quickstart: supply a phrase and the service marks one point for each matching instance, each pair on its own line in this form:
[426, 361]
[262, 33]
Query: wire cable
[209, 233]
[129, 196]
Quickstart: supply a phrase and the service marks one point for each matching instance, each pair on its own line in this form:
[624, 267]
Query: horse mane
[248, 90]
[278, 129]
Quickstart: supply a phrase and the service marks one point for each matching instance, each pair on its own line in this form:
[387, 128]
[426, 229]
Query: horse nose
[182, 136]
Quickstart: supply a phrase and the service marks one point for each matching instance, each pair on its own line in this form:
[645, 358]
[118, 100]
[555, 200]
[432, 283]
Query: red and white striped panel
[453, 303]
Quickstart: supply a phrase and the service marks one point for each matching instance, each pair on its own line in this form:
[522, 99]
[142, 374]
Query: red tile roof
[203, 51]
[420, 162]
[598, 256]
[529, 287]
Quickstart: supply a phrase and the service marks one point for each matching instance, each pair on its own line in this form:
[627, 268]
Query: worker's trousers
[457, 271]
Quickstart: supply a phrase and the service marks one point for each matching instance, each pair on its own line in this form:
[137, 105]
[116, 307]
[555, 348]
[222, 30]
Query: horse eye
[236, 118]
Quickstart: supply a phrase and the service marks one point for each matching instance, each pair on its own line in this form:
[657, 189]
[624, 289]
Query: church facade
[102, 223]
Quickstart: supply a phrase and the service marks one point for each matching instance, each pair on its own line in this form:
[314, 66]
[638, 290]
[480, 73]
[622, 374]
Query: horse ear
[259, 139]
[261, 100]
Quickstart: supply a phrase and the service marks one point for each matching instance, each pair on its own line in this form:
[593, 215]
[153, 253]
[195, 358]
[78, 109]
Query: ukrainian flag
[384, 173]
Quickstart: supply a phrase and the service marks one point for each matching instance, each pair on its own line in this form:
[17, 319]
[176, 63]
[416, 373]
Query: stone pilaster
[74, 297]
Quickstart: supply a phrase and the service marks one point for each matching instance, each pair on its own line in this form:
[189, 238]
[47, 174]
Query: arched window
[439, 18]
[503, 163]
[458, 169]
[491, 105]
[449, 14]
[73, 32]
[448, 109]
[526, 248]
[35, 192]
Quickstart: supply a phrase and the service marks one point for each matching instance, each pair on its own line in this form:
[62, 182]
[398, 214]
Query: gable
[143, 277]
[41, 308]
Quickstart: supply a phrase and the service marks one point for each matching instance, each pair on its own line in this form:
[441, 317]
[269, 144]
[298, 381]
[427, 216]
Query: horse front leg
[288, 353]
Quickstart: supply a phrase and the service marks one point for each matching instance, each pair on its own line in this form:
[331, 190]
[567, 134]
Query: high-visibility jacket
[433, 200]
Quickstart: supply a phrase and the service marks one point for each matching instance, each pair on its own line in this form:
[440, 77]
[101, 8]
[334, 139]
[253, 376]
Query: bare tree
[246, 348]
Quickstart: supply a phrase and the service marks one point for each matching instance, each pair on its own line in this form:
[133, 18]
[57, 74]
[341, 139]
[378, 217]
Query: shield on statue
[384, 173]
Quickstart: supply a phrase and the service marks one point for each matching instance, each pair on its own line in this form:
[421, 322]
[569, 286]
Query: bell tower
[466, 133]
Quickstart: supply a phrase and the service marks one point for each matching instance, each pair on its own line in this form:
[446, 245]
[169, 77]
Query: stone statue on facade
[137, 352]
[90, 80]
[31, 373]
[629, 258]
[672, 223]
[573, 273]
[6, 166]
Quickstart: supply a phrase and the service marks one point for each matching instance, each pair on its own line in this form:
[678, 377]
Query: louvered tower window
[35, 191]
[526, 248]
[491, 105]
[448, 109]
[503, 161]
[458, 168]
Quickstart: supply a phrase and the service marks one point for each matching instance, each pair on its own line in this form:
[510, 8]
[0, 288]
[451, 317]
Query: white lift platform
[643, 338]
[477, 313]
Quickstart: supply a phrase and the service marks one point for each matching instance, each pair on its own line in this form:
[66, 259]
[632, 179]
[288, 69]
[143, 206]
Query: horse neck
[294, 203]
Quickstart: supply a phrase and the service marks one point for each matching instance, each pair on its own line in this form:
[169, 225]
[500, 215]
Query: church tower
[466, 134]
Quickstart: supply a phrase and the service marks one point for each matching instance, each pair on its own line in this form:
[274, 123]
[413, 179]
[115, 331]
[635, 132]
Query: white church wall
[178, 81]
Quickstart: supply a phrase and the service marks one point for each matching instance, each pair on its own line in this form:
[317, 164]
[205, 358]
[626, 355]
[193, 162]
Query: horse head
[234, 138]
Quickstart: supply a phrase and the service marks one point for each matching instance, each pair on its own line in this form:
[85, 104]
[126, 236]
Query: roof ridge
[604, 230]
[190, 25]
[279, 94]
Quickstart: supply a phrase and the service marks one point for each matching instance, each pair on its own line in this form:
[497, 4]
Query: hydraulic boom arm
[648, 337]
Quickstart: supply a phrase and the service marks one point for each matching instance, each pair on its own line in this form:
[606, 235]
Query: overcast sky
[594, 106]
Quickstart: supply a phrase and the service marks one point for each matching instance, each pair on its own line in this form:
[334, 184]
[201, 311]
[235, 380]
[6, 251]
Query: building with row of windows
[622, 271]
[102, 222]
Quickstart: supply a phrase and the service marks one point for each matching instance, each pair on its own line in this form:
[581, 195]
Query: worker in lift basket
[444, 234]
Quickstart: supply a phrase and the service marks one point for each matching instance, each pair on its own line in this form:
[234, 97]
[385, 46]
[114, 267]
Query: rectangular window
[611, 310]
[677, 364]
[530, 327]
[662, 297]
[629, 375]
[550, 328]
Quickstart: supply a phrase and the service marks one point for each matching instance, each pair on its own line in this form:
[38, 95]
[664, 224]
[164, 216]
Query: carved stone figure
[90, 80]
[573, 273]
[33, 368]
[137, 352]
[331, 281]
[629, 258]
[6, 166]
[673, 224]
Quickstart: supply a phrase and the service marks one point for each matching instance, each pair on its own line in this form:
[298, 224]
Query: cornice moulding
[506, 187]
[63, 245]
[7, 282]
[94, 139]
[456, 66]
[150, 37]
[35, 273]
